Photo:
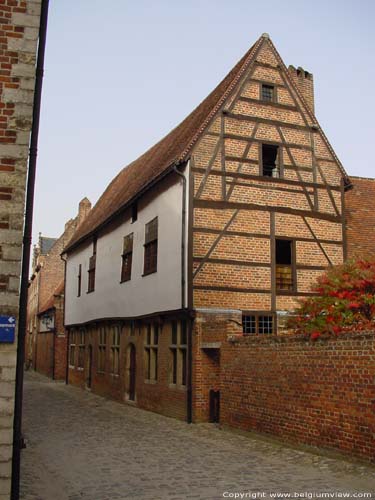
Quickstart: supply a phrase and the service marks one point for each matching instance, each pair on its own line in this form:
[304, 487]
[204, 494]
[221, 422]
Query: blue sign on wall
[7, 329]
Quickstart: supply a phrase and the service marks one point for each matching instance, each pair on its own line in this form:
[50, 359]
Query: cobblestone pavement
[81, 446]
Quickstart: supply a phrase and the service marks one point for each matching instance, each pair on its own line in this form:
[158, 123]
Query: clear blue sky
[120, 74]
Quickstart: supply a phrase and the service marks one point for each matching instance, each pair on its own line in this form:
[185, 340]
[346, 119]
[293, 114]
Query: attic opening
[267, 92]
[284, 264]
[270, 160]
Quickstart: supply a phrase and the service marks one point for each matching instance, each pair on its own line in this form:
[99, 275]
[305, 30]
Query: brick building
[217, 229]
[19, 30]
[46, 339]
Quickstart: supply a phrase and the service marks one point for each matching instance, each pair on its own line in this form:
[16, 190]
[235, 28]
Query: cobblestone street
[80, 446]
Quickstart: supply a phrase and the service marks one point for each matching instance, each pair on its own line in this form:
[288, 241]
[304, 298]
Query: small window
[253, 324]
[270, 160]
[102, 346]
[92, 269]
[151, 352]
[151, 247]
[134, 210]
[115, 350]
[81, 349]
[127, 258]
[268, 93]
[79, 285]
[178, 349]
[72, 349]
[284, 265]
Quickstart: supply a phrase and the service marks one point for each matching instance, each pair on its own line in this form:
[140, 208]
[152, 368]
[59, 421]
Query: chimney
[305, 83]
[83, 210]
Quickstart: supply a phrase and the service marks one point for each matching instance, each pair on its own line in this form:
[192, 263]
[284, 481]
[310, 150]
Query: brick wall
[317, 393]
[160, 396]
[360, 218]
[19, 25]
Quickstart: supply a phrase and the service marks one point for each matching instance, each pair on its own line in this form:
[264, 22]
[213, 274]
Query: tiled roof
[50, 302]
[360, 217]
[46, 244]
[174, 148]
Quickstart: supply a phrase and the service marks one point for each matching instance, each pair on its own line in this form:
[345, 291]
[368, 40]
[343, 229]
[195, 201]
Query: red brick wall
[360, 218]
[318, 393]
[160, 396]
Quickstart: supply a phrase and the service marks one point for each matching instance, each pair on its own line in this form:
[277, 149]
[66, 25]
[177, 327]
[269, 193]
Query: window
[178, 349]
[257, 323]
[284, 265]
[102, 348]
[79, 280]
[134, 210]
[268, 93]
[81, 349]
[270, 160]
[115, 350]
[92, 267]
[151, 247]
[151, 351]
[72, 349]
[127, 257]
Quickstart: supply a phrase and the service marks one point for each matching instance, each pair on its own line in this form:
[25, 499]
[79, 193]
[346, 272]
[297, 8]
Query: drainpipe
[27, 237]
[189, 406]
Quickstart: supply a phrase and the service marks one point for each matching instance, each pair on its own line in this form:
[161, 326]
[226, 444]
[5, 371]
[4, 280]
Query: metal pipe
[27, 237]
[189, 407]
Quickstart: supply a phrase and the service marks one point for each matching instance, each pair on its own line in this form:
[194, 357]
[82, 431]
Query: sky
[120, 74]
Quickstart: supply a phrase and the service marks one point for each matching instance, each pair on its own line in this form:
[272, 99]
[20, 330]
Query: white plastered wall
[142, 295]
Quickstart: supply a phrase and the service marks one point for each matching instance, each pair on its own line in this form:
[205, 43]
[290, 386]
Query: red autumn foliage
[344, 301]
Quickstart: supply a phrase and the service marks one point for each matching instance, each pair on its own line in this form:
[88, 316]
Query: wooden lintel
[272, 104]
[267, 121]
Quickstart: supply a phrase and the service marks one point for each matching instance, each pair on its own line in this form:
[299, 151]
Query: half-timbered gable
[267, 201]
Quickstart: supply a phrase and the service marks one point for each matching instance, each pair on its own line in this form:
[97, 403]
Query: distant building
[46, 339]
[218, 229]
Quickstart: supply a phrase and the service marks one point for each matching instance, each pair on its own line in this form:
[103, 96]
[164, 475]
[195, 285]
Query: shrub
[345, 301]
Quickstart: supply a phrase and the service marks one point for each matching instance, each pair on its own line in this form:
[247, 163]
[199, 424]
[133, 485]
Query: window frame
[274, 91]
[150, 262]
[92, 268]
[279, 160]
[115, 333]
[72, 349]
[256, 315]
[81, 349]
[293, 267]
[178, 354]
[151, 350]
[79, 277]
[102, 349]
[126, 257]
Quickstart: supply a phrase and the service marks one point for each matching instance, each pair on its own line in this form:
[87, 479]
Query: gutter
[67, 331]
[18, 442]
[189, 399]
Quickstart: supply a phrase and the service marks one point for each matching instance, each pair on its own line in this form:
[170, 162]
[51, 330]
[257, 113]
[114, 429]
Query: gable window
[115, 350]
[151, 351]
[79, 286]
[178, 349]
[270, 160]
[284, 265]
[127, 257]
[134, 209]
[92, 268]
[257, 323]
[268, 93]
[151, 247]
[102, 346]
